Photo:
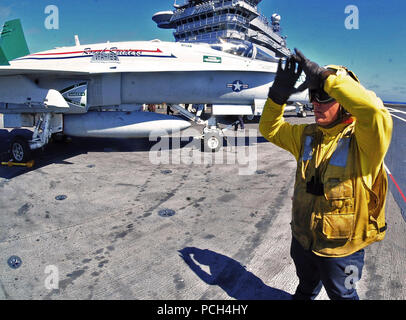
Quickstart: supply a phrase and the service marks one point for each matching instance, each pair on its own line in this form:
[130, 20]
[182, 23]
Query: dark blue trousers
[338, 275]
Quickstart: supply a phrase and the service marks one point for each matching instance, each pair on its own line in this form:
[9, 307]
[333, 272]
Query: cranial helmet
[319, 95]
[340, 70]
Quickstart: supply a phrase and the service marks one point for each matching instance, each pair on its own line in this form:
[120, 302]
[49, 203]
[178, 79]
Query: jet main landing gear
[46, 124]
[20, 150]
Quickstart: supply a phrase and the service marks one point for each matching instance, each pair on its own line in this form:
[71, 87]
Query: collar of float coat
[344, 119]
[336, 129]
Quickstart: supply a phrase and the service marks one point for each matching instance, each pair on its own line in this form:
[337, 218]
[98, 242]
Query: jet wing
[9, 71]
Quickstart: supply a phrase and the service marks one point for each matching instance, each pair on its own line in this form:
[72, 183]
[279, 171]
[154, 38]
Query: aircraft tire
[20, 150]
[212, 142]
[302, 114]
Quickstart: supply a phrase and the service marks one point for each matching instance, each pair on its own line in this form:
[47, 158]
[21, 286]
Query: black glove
[285, 80]
[315, 75]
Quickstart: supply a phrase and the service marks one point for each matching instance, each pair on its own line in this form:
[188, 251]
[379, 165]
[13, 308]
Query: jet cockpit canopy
[243, 49]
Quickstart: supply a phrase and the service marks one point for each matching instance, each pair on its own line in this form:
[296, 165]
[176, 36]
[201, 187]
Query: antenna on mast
[77, 42]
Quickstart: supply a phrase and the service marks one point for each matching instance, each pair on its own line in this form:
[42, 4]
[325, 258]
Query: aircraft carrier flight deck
[113, 220]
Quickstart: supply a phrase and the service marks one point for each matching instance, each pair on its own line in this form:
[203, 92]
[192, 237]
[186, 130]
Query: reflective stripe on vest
[339, 157]
[308, 149]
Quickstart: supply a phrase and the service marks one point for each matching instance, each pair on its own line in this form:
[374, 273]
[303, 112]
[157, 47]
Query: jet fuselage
[149, 72]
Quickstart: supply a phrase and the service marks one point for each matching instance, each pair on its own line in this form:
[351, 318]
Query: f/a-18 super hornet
[87, 90]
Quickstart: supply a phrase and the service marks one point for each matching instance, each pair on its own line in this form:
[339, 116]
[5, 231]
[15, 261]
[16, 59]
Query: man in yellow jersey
[341, 185]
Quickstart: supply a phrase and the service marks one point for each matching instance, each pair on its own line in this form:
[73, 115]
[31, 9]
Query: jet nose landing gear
[212, 141]
[212, 137]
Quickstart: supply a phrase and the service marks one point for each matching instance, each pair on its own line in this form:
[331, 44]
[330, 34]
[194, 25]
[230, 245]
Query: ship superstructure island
[219, 21]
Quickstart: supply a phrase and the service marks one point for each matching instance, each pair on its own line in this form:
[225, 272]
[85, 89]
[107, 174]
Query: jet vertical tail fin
[3, 59]
[13, 43]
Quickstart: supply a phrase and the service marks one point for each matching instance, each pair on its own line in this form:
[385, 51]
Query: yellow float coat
[350, 215]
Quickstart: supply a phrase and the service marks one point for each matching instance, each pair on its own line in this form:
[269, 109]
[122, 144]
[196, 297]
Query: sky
[375, 51]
